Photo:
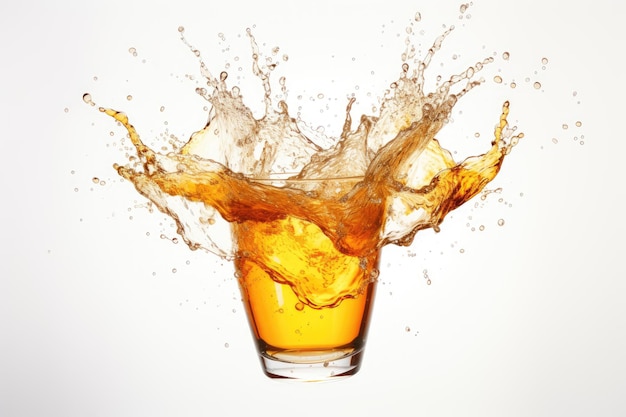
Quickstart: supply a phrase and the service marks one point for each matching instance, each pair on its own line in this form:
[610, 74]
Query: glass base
[314, 366]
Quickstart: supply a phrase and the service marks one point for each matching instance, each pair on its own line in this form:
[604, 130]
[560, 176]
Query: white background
[525, 319]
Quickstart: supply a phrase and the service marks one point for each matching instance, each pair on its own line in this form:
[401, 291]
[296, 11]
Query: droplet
[579, 123]
[501, 222]
[506, 55]
[299, 306]
[87, 99]
[544, 61]
[497, 79]
[537, 85]
[129, 97]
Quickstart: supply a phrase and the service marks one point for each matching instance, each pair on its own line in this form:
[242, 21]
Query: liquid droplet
[87, 99]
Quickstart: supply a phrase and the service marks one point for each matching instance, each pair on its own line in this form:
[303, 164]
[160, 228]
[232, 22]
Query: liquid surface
[404, 181]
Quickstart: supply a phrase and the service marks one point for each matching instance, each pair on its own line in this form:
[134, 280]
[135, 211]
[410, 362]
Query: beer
[308, 221]
[328, 322]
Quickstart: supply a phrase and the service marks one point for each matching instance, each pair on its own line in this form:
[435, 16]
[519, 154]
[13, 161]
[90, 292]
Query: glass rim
[289, 178]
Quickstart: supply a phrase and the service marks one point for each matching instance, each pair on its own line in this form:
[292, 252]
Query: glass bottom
[312, 366]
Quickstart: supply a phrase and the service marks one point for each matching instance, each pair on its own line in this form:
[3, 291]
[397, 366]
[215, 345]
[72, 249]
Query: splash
[377, 184]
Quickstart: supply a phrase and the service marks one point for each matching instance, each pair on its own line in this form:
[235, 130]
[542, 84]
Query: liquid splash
[239, 169]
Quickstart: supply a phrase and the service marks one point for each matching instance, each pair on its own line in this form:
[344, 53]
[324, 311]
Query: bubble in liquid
[506, 56]
[537, 85]
[132, 51]
[129, 97]
[544, 61]
[497, 79]
[299, 306]
[579, 123]
[501, 222]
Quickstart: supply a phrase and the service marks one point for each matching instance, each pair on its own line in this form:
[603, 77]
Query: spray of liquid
[238, 168]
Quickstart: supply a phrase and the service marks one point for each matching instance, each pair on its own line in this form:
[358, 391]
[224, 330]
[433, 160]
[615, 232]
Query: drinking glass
[307, 303]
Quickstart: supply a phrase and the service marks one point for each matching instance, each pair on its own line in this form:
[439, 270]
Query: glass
[308, 304]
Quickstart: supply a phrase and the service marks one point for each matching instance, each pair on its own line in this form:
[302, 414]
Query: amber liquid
[306, 250]
[290, 329]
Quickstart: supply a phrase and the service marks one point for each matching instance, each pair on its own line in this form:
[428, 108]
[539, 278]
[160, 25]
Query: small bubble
[226, 345]
[132, 51]
[129, 97]
[501, 222]
[579, 123]
[299, 306]
[565, 126]
[66, 110]
[320, 95]
[174, 270]
[513, 84]
[506, 55]
[497, 79]
[555, 140]
[537, 85]
[407, 329]
[544, 61]
[481, 227]
[181, 29]
[95, 180]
